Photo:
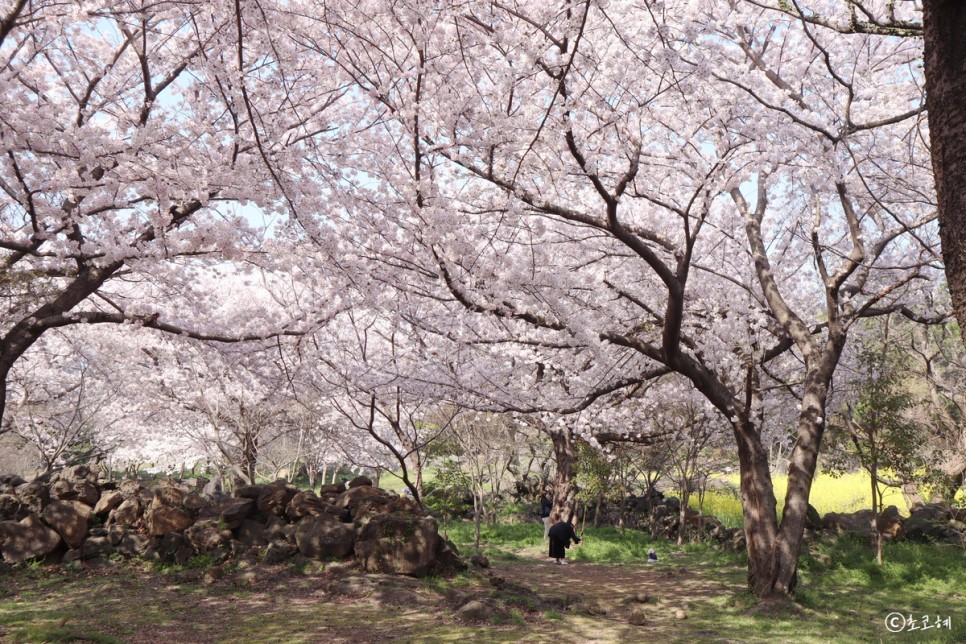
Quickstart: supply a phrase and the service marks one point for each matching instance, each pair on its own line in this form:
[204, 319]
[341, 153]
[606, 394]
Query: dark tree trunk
[944, 35]
[564, 489]
[758, 507]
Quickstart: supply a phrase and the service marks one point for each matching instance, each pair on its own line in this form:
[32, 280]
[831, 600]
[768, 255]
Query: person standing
[561, 534]
[546, 507]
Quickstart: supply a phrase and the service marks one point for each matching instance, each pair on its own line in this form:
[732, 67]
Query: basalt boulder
[161, 519]
[108, 501]
[360, 481]
[365, 500]
[128, 513]
[68, 521]
[26, 539]
[398, 543]
[233, 511]
[306, 504]
[323, 537]
[207, 535]
[275, 497]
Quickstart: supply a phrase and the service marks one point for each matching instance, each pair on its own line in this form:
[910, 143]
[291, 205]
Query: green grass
[503, 542]
[843, 597]
[43, 633]
[724, 505]
[392, 482]
[496, 542]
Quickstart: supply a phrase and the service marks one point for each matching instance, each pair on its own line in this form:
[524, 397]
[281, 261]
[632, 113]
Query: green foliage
[594, 472]
[501, 536]
[503, 541]
[445, 494]
[909, 565]
[201, 561]
[874, 431]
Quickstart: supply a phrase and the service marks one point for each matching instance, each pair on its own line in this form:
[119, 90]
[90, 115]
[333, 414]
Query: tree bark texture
[944, 35]
[758, 507]
[564, 490]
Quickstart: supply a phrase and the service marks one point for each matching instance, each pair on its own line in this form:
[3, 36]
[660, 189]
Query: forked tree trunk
[773, 549]
[944, 39]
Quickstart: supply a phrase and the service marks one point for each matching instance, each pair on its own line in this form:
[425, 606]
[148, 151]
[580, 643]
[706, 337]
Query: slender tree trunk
[623, 505]
[944, 39]
[415, 467]
[702, 490]
[476, 518]
[876, 509]
[683, 515]
[876, 497]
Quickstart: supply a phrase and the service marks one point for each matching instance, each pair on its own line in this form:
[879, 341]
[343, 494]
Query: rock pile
[74, 516]
[930, 522]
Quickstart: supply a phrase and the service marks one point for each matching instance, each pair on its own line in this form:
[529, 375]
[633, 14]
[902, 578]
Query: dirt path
[526, 597]
[623, 601]
[668, 582]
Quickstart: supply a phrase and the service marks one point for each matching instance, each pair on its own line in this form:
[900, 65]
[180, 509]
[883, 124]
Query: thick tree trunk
[773, 548]
[944, 35]
[564, 489]
[758, 507]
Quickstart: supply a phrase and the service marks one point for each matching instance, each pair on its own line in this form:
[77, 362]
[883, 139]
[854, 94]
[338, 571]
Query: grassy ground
[693, 594]
[844, 596]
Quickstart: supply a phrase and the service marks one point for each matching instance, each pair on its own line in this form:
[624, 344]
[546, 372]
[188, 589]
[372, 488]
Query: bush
[446, 495]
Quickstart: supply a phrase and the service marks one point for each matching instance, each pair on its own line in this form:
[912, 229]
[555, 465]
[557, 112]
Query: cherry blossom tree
[606, 193]
[941, 24]
[577, 210]
[65, 406]
[134, 134]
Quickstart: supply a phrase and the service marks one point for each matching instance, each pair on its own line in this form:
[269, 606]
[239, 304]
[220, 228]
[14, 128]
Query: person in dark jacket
[561, 534]
[546, 507]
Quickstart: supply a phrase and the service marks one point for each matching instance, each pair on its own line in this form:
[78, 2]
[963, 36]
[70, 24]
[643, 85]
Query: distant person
[546, 507]
[561, 534]
[651, 555]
